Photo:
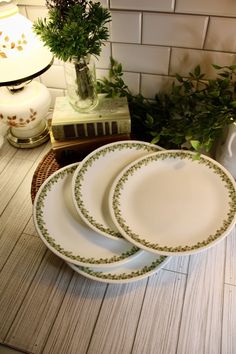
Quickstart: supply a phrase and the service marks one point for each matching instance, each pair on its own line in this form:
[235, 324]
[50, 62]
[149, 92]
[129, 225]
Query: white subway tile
[22, 10]
[42, 2]
[209, 7]
[35, 12]
[174, 30]
[101, 73]
[132, 81]
[104, 3]
[54, 77]
[142, 58]
[149, 5]
[55, 93]
[103, 61]
[58, 61]
[184, 60]
[221, 34]
[126, 27]
[31, 2]
[153, 84]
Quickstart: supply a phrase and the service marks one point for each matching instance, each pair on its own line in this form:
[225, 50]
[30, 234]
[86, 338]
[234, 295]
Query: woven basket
[46, 167]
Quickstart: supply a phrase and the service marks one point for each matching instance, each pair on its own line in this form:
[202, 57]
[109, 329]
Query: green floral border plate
[94, 176]
[174, 203]
[136, 269]
[64, 232]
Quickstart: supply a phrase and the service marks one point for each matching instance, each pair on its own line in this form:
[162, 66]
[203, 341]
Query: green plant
[75, 29]
[114, 85]
[192, 115]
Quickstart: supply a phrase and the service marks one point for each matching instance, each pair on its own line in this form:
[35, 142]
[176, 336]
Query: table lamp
[24, 103]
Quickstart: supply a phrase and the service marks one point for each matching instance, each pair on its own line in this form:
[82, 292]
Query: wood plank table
[189, 306]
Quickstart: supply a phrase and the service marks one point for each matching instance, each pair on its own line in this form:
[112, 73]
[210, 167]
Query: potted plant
[192, 115]
[75, 31]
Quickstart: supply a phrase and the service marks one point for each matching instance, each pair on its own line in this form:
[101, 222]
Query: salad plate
[173, 202]
[64, 232]
[140, 267]
[94, 176]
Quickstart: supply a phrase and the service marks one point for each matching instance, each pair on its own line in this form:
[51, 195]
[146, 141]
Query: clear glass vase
[81, 83]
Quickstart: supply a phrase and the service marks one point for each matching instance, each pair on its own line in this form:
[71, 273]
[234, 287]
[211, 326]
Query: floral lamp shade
[23, 102]
[22, 54]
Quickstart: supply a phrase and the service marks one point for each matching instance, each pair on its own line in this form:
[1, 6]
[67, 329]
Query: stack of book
[75, 133]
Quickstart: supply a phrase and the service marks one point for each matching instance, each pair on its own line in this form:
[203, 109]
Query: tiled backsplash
[154, 39]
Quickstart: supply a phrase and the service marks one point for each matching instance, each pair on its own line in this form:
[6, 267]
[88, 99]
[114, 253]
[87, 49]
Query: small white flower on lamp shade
[23, 103]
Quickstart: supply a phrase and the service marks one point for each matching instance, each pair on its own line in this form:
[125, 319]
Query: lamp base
[27, 143]
[24, 111]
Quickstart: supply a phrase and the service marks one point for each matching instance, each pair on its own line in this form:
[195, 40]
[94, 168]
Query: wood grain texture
[10, 180]
[201, 324]
[34, 320]
[29, 154]
[7, 152]
[188, 307]
[178, 264]
[77, 316]
[17, 213]
[230, 262]
[117, 322]
[229, 321]
[159, 323]
[30, 228]
[16, 277]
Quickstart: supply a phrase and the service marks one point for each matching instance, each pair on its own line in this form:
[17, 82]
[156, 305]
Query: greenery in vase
[74, 30]
[192, 115]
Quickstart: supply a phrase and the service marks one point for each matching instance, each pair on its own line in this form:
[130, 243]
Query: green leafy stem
[192, 115]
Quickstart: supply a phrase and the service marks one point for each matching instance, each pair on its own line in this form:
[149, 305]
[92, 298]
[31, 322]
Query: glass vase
[80, 78]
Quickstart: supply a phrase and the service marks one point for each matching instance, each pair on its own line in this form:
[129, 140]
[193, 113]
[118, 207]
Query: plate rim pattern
[88, 161]
[223, 174]
[99, 275]
[39, 205]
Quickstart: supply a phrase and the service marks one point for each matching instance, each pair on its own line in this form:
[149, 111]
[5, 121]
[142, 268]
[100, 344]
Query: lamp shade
[23, 103]
[22, 54]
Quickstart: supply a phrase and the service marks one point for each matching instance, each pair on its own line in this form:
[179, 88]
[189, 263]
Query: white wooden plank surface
[34, 320]
[230, 262]
[229, 321]
[159, 323]
[7, 152]
[117, 322]
[178, 264]
[201, 324]
[46, 308]
[29, 154]
[10, 179]
[17, 213]
[16, 277]
[30, 228]
[76, 319]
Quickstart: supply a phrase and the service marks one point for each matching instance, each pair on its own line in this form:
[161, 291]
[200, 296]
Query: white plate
[172, 203]
[94, 176]
[142, 266]
[65, 234]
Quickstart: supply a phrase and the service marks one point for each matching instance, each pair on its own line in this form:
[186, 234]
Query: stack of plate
[120, 213]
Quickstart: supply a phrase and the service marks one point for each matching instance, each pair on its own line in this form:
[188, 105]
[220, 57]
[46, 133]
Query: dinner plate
[64, 232]
[94, 176]
[140, 267]
[174, 203]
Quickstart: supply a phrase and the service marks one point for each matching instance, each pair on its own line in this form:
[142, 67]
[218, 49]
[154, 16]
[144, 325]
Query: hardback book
[73, 150]
[111, 116]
